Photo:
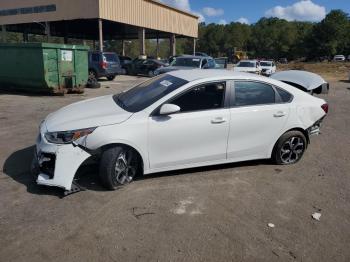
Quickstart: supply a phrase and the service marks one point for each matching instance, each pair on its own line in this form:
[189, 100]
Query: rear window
[110, 58]
[285, 96]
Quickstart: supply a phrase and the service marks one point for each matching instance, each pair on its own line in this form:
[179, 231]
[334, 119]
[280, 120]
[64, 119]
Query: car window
[204, 62]
[246, 64]
[265, 63]
[203, 97]
[146, 93]
[285, 96]
[252, 93]
[185, 61]
[110, 58]
[95, 57]
[211, 63]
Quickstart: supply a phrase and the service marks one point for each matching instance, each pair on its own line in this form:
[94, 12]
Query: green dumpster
[42, 67]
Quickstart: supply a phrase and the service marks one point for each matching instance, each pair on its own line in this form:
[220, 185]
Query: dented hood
[88, 113]
[307, 80]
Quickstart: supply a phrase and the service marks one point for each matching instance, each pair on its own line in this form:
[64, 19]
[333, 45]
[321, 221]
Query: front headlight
[66, 137]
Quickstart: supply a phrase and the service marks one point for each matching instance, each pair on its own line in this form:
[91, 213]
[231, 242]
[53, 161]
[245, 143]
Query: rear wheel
[290, 148]
[151, 73]
[111, 78]
[92, 75]
[118, 167]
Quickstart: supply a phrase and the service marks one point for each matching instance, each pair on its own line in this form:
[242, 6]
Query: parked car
[248, 66]
[267, 67]
[182, 119]
[283, 60]
[348, 57]
[103, 64]
[187, 62]
[303, 80]
[143, 67]
[339, 58]
[124, 60]
[201, 54]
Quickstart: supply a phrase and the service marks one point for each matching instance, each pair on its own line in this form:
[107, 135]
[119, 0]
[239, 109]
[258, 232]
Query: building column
[3, 34]
[142, 34]
[123, 47]
[47, 31]
[172, 45]
[100, 34]
[157, 49]
[65, 38]
[25, 35]
[194, 46]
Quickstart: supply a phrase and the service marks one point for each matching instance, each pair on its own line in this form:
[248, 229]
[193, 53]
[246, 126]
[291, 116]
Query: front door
[197, 134]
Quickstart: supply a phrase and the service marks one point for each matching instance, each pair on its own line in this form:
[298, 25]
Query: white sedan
[267, 67]
[248, 66]
[178, 120]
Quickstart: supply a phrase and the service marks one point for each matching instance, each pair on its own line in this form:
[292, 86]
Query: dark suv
[103, 64]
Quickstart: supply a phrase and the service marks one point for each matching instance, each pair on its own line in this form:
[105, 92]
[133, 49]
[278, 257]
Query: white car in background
[181, 119]
[339, 58]
[267, 67]
[248, 66]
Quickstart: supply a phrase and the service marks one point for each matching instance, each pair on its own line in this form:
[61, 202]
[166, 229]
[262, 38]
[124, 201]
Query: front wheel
[290, 148]
[118, 167]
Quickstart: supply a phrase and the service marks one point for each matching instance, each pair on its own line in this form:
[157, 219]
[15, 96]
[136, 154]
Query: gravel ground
[216, 213]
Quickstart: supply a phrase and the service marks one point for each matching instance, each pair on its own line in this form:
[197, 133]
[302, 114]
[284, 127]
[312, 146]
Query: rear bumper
[56, 165]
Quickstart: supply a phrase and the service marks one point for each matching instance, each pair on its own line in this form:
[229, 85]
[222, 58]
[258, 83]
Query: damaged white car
[178, 120]
[303, 80]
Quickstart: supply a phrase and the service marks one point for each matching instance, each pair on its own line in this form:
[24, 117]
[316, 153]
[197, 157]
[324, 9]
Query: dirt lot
[207, 214]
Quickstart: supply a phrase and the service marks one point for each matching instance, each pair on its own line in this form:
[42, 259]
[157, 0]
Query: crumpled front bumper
[55, 164]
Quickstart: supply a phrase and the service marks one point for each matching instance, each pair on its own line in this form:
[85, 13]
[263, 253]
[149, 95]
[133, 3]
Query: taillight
[104, 65]
[325, 108]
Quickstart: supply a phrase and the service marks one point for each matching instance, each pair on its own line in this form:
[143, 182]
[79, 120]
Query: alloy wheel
[125, 167]
[292, 150]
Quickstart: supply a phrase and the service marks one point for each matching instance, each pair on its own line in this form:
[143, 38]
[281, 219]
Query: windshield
[246, 64]
[186, 61]
[265, 63]
[110, 58]
[146, 93]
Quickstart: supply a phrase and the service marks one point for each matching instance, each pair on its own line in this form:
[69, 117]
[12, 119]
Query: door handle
[279, 114]
[218, 120]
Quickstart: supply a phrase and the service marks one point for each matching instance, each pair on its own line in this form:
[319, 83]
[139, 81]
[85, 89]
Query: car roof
[195, 74]
[247, 60]
[193, 56]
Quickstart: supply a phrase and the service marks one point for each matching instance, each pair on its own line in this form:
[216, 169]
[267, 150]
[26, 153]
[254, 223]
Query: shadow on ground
[18, 167]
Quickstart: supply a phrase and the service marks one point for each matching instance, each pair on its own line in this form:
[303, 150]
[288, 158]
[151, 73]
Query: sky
[250, 11]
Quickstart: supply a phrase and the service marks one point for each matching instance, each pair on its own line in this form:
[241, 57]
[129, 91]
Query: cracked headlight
[66, 137]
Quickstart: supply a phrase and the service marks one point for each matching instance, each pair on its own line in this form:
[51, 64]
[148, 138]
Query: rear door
[258, 116]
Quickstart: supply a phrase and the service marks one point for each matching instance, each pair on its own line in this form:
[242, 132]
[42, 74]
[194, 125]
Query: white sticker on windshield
[166, 83]
[195, 59]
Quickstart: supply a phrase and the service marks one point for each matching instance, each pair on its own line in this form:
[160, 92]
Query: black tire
[150, 73]
[93, 75]
[93, 83]
[115, 158]
[111, 78]
[289, 148]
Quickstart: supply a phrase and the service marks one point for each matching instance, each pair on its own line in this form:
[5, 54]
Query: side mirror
[168, 109]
